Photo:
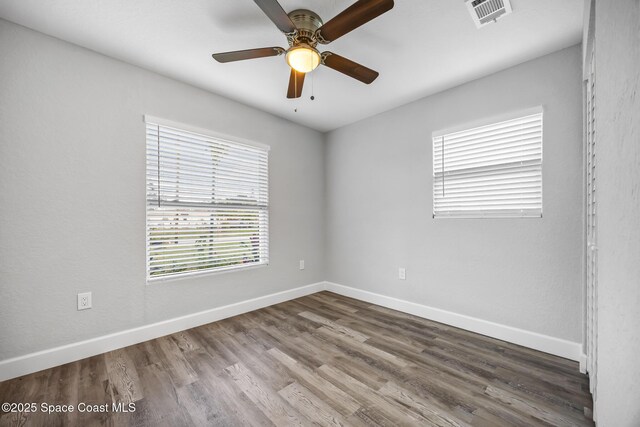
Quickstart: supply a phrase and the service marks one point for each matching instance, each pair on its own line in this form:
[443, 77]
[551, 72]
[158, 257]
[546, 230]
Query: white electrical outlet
[301, 264]
[84, 301]
[402, 273]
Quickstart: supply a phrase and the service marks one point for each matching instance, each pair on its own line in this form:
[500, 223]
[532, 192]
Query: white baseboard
[583, 363]
[45, 359]
[556, 346]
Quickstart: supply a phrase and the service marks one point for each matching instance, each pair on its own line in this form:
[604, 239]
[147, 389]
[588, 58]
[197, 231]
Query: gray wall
[617, 44]
[72, 195]
[525, 273]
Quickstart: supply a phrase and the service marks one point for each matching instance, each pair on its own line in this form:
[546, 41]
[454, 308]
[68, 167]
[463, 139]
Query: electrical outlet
[84, 301]
[301, 264]
[402, 273]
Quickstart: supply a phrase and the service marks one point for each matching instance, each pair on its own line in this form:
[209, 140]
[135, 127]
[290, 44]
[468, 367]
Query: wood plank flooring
[323, 359]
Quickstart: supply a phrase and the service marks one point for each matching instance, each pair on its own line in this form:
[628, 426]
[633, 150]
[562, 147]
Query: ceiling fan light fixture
[304, 29]
[303, 58]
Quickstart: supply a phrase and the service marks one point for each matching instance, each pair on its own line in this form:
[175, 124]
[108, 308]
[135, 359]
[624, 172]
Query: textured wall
[72, 195]
[525, 273]
[617, 47]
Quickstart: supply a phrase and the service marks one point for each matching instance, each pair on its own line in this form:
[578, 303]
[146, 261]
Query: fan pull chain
[312, 97]
[295, 89]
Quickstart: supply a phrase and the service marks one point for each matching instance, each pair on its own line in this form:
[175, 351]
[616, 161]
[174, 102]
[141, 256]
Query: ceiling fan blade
[276, 13]
[348, 67]
[239, 55]
[351, 18]
[296, 80]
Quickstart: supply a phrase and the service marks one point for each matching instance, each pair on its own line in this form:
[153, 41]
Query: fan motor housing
[306, 22]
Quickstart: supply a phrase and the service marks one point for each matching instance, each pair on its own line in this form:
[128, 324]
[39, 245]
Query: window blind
[592, 227]
[493, 170]
[207, 203]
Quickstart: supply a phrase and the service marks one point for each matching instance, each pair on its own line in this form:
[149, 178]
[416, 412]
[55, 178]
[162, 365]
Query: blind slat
[212, 266]
[198, 248]
[204, 156]
[194, 146]
[200, 139]
[166, 176]
[186, 244]
[200, 258]
[490, 142]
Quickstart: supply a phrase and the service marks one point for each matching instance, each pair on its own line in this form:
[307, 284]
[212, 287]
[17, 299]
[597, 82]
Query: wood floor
[323, 359]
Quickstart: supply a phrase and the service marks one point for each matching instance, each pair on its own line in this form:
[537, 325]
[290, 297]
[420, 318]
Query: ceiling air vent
[484, 12]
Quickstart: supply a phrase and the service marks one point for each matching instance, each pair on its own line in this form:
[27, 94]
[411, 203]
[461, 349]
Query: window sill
[194, 274]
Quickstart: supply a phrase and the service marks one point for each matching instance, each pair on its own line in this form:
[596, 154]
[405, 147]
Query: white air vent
[484, 12]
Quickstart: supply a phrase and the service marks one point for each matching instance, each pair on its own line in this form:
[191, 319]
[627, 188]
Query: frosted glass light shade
[303, 59]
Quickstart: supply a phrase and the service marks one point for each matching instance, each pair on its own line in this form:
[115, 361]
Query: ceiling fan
[304, 29]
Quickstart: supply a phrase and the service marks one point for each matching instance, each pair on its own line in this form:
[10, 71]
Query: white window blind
[493, 170]
[592, 228]
[207, 203]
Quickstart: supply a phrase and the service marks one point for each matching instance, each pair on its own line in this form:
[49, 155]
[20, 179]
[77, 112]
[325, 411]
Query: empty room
[320, 212]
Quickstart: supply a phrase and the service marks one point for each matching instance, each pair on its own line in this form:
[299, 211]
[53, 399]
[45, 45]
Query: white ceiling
[420, 47]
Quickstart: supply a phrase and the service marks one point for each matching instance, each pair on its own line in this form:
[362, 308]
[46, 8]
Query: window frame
[227, 139]
[487, 121]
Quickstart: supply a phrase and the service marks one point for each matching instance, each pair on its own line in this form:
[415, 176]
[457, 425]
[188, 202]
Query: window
[207, 202]
[494, 170]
